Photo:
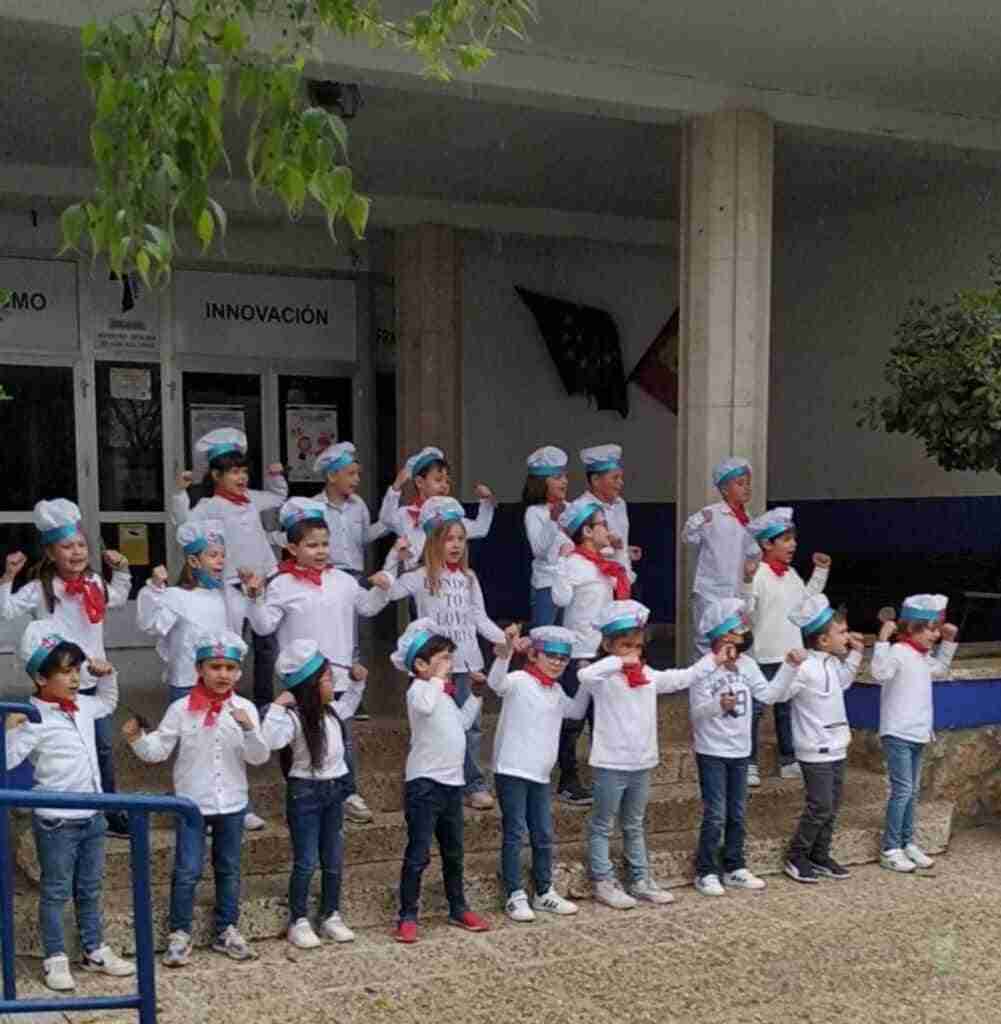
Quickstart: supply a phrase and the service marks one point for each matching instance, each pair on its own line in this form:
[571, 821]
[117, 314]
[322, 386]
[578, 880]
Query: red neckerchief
[69, 706]
[614, 570]
[449, 687]
[537, 673]
[635, 676]
[454, 567]
[301, 572]
[414, 510]
[92, 593]
[740, 512]
[236, 497]
[920, 648]
[202, 698]
[779, 568]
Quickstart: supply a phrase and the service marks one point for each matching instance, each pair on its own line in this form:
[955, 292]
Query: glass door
[314, 412]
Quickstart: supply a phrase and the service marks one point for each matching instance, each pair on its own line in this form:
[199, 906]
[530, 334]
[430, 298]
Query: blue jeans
[624, 793]
[315, 812]
[434, 811]
[783, 722]
[471, 766]
[903, 764]
[189, 860]
[723, 781]
[525, 805]
[543, 608]
[571, 728]
[71, 858]
[103, 740]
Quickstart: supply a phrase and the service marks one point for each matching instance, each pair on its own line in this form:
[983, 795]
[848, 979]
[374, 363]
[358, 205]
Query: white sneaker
[517, 907]
[178, 950]
[896, 860]
[742, 879]
[753, 775]
[553, 903]
[791, 771]
[333, 927]
[104, 961]
[709, 885]
[355, 809]
[647, 889]
[918, 856]
[302, 936]
[609, 892]
[57, 973]
[252, 823]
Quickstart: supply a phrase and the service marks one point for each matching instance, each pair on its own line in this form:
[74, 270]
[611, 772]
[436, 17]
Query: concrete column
[726, 246]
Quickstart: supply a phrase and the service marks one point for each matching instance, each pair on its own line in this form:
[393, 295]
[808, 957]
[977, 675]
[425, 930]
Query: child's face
[597, 532]
[434, 483]
[835, 639]
[549, 664]
[61, 684]
[236, 479]
[455, 543]
[625, 645]
[781, 548]
[439, 667]
[312, 551]
[219, 674]
[608, 486]
[70, 555]
[211, 560]
[927, 634]
[738, 490]
[346, 481]
[556, 487]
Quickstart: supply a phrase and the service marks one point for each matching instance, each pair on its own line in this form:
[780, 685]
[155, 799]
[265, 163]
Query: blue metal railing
[139, 809]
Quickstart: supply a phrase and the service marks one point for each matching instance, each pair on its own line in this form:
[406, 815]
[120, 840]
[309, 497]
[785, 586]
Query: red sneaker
[470, 921]
[406, 931]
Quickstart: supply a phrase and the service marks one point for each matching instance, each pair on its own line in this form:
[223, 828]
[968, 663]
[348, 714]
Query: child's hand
[796, 656]
[523, 644]
[358, 672]
[131, 729]
[887, 630]
[285, 699]
[726, 654]
[401, 478]
[750, 568]
[856, 642]
[615, 541]
[727, 701]
[484, 493]
[566, 551]
[16, 561]
[242, 719]
[158, 577]
[382, 580]
[631, 659]
[477, 680]
[275, 469]
[949, 632]
[513, 631]
[116, 560]
[184, 480]
[821, 561]
[707, 516]
[253, 585]
[402, 549]
[15, 721]
[556, 509]
[635, 552]
[99, 667]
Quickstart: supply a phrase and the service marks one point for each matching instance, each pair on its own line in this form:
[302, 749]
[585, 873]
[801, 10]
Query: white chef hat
[924, 608]
[771, 524]
[812, 615]
[224, 644]
[301, 510]
[547, 461]
[732, 466]
[552, 640]
[335, 458]
[56, 520]
[602, 458]
[437, 512]
[726, 615]
[419, 462]
[577, 513]
[414, 637]
[38, 641]
[196, 535]
[298, 661]
[622, 616]
[223, 441]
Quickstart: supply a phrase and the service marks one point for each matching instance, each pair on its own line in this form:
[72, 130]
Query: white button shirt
[906, 709]
[724, 544]
[583, 590]
[770, 599]
[351, 529]
[61, 747]
[545, 538]
[437, 732]
[211, 765]
[617, 517]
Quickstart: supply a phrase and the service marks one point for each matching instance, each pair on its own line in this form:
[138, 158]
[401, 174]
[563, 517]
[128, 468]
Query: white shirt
[527, 737]
[581, 588]
[248, 546]
[820, 730]
[720, 735]
[617, 517]
[211, 765]
[625, 717]
[61, 747]
[351, 528]
[724, 544]
[770, 599]
[457, 610]
[545, 538]
[179, 617]
[437, 732]
[905, 702]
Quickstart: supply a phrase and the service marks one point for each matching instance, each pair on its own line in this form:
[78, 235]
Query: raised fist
[821, 561]
[158, 577]
[16, 561]
[184, 479]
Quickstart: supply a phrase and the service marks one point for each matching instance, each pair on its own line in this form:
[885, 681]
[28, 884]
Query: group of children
[764, 637]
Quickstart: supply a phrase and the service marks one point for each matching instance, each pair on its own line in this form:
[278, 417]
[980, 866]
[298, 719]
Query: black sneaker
[828, 867]
[574, 793]
[799, 869]
[118, 825]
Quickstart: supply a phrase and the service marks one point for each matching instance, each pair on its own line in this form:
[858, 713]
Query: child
[304, 725]
[428, 470]
[447, 592]
[821, 733]
[311, 600]
[178, 615]
[906, 714]
[434, 778]
[544, 498]
[720, 711]
[70, 843]
[624, 748]
[584, 585]
[525, 745]
[74, 598]
[219, 734]
[605, 480]
[720, 533]
[773, 589]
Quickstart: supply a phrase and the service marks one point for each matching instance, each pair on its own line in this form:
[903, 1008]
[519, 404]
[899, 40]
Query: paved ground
[875, 949]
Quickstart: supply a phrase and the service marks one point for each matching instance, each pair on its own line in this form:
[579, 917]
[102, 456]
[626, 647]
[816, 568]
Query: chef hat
[622, 616]
[298, 661]
[335, 458]
[771, 524]
[601, 458]
[420, 462]
[56, 520]
[301, 510]
[38, 641]
[727, 615]
[812, 615]
[552, 640]
[224, 441]
[416, 635]
[437, 512]
[547, 461]
[196, 535]
[224, 644]
[578, 512]
[731, 467]
[924, 608]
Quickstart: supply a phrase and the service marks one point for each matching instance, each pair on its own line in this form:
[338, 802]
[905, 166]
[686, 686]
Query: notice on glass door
[308, 430]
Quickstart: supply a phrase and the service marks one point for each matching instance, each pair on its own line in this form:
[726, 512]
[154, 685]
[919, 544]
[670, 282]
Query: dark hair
[778, 536]
[811, 642]
[223, 464]
[607, 641]
[63, 656]
[535, 491]
[45, 572]
[297, 531]
[578, 535]
[908, 627]
[433, 464]
[312, 712]
[435, 645]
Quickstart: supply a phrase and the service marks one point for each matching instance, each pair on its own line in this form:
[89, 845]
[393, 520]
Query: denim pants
[71, 858]
[315, 812]
[542, 607]
[350, 788]
[525, 806]
[571, 728]
[824, 782]
[103, 741]
[903, 764]
[432, 810]
[475, 783]
[783, 722]
[189, 860]
[622, 793]
[723, 781]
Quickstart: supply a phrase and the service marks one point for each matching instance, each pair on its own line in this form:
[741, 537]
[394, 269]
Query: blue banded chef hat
[578, 512]
[224, 441]
[419, 462]
[547, 461]
[731, 467]
[924, 608]
[56, 520]
[602, 458]
[621, 616]
[812, 615]
[552, 640]
[301, 510]
[224, 644]
[437, 512]
[298, 661]
[727, 615]
[414, 637]
[771, 524]
[38, 641]
[196, 535]
[335, 458]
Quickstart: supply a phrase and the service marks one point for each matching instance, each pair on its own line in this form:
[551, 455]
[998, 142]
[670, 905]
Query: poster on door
[211, 417]
[308, 430]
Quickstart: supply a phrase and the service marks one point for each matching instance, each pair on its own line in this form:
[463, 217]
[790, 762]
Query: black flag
[584, 344]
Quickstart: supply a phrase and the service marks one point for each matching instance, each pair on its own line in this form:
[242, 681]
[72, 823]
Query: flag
[657, 372]
[584, 344]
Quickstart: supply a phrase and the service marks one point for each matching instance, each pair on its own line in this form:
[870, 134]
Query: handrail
[140, 807]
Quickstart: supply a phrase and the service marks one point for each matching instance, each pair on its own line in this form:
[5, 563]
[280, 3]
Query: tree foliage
[944, 374]
[163, 80]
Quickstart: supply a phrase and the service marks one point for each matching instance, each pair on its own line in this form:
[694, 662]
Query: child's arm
[278, 727]
[389, 511]
[409, 584]
[542, 532]
[499, 678]
[694, 529]
[884, 665]
[480, 526]
[20, 740]
[266, 615]
[275, 485]
[703, 704]
[424, 694]
[27, 600]
[180, 501]
[848, 669]
[107, 686]
[946, 651]
[371, 530]
[566, 579]
[121, 579]
[779, 689]
[577, 705]
[485, 626]
[670, 680]
[599, 671]
[818, 578]
[255, 749]
[158, 745]
[152, 613]
[351, 697]
[470, 710]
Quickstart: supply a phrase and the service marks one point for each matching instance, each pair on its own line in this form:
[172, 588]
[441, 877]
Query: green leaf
[88, 35]
[73, 223]
[233, 39]
[142, 265]
[356, 214]
[205, 228]
[220, 216]
[215, 88]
